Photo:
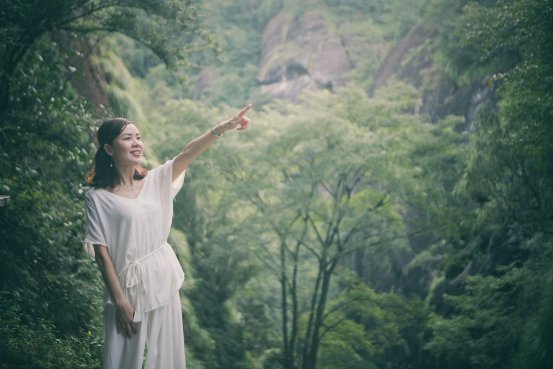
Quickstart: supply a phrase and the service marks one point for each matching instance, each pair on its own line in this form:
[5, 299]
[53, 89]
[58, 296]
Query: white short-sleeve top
[135, 232]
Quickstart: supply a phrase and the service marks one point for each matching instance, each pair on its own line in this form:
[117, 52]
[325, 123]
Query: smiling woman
[128, 217]
[114, 137]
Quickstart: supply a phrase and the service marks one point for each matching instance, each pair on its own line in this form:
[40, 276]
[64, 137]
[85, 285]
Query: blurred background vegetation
[390, 207]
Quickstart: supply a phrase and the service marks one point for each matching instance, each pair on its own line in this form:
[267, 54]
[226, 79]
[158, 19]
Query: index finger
[245, 110]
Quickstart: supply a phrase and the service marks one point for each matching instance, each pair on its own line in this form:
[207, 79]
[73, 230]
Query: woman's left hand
[239, 121]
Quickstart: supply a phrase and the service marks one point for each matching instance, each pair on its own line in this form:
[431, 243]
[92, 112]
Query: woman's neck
[126, 175]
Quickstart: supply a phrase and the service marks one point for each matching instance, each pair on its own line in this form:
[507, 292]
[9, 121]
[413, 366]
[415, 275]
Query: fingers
[125, 325]
[125, 328]
[244, 122]
[129, 330]
[245, 110]
[238, 121]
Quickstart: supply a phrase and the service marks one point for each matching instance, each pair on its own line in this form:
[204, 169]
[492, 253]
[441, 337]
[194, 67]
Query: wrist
[121, 301]
[216, 132]
[219, 129]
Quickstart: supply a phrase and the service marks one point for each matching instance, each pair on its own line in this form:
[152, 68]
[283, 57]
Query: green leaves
[487, 317]
[365, 328]
[37, 344]
[171, 29]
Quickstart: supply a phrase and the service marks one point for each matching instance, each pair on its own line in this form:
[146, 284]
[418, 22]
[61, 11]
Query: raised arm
[198, 145]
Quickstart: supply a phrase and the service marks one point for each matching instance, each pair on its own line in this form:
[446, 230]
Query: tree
[46, 284]
[487, 317]
[367, 329]
[508, 182]
[323, 183]
[48, 287]
[170, 28]
[520, 131]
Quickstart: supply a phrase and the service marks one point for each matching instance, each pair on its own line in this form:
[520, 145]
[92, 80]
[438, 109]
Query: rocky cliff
[305, 53]
[87, 77]
[412, 61]
[299, 54]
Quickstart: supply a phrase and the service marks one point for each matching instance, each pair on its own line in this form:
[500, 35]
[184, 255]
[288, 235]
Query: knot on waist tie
[135, 275]
[134, 271]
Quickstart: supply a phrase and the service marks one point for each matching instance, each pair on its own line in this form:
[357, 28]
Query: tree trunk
[311, 359]
[309, 331]
[287, 359]
[295, 311]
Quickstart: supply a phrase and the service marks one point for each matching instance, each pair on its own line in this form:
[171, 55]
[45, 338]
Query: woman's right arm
[125, 311]
[201, 143]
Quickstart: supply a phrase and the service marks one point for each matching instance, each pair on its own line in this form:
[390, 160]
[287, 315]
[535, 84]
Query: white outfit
[135, 232]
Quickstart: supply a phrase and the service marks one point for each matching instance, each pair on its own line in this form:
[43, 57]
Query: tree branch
[314, 227]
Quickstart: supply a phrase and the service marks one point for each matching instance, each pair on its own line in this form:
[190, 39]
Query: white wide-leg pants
[160, 330]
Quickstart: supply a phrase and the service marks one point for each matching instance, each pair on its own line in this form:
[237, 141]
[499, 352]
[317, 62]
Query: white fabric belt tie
[134, 273]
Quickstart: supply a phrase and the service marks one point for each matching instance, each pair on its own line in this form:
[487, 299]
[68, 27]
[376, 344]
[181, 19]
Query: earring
[111, 162]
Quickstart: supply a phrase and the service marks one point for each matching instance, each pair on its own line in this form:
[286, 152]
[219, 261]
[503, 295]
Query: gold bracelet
[215, 133]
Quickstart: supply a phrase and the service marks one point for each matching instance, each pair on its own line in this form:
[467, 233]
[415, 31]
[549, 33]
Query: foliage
[521, 132]
[311, 239]
[537, 335]
[169, 28]
[487, 318]
[51, 291]
[366, 329]
[326, 189]
[50, 287]
[508, 181]
[37, 344]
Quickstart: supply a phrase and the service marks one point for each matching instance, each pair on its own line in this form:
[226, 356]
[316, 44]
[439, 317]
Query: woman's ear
[108, 149]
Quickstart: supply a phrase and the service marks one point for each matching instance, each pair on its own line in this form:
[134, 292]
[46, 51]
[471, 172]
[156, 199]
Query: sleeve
[164, 174]
[168, 189]
[94, 233]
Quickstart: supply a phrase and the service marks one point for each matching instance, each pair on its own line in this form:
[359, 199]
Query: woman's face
[127, 148]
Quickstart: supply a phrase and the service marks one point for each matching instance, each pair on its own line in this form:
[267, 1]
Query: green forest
[389, 207]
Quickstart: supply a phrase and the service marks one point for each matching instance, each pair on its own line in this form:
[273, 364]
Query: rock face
[395, 65]
[299, 54]
[205, 80]
[87, 78]
[411, 61]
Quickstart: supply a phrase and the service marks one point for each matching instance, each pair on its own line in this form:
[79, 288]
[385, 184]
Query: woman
[128, 217]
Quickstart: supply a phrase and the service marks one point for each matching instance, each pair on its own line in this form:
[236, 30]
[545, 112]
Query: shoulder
[168, 164]
[161, 170]
[93, 195]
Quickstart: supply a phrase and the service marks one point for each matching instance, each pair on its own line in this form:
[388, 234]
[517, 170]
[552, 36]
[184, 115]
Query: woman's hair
[103, 173]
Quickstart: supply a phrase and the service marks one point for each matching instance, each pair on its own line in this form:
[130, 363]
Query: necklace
[132, 188]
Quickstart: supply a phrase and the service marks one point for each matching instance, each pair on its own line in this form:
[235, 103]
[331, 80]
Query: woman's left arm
[201, 143]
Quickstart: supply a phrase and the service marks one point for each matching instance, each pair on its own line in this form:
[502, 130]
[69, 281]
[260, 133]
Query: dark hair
[103, 174]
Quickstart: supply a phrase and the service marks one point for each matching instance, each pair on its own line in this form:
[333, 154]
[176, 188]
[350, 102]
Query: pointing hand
[239, 120]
